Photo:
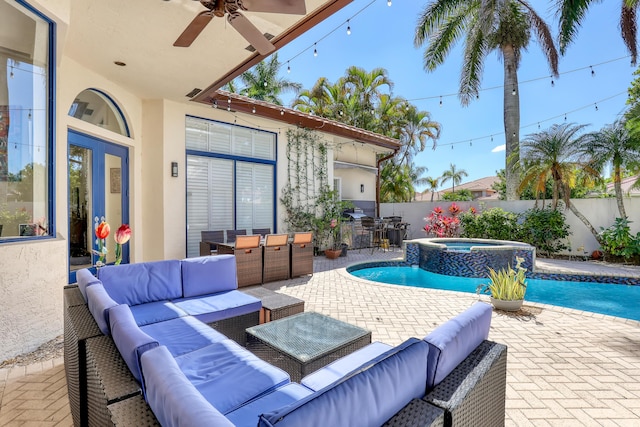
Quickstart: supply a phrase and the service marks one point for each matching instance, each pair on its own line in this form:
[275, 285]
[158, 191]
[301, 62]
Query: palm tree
[616, 145]
[416, 172]
[572, 12]
[415, 131]
[558, 152]
[432, 185]
[505, 26]
[262, 82]
[396, 185]
[454, 175]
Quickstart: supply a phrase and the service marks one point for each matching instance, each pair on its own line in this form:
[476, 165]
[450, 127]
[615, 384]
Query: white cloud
[499, 148]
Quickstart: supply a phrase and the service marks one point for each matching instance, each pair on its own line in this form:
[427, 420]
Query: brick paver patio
[565, 367]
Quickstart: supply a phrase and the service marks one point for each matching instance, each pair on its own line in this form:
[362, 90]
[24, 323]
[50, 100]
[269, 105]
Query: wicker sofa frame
[102, 390]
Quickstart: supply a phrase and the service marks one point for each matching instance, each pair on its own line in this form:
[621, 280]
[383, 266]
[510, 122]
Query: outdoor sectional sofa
[155, 361]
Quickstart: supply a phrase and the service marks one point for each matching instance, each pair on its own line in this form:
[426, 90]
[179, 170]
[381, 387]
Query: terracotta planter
[507, 305]
[332, 253]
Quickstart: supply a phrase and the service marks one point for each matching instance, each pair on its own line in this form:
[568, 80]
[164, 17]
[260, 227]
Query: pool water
[464, 246]
[611, 299]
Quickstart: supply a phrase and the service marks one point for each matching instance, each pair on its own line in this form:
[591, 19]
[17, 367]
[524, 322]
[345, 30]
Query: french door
[98, 191]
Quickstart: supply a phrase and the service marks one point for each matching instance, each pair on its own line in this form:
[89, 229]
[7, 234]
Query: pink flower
[123, 234]
[454, 209]
[437, 210]
[334, 223]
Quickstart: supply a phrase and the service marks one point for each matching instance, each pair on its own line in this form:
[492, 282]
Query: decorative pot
[507, 305]
[332, 253]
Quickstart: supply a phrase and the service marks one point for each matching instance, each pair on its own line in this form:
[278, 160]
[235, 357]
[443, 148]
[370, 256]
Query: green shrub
[545, 229]
[506, 284]
[463, 195]
[495, 223]
[619, 241]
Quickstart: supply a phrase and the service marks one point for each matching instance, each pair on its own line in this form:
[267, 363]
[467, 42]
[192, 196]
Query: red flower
[123, 234]
[437, 210]
[454, 209]
[472, 210]
[103, 230]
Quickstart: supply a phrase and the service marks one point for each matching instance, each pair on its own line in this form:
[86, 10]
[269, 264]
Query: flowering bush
[440, 225]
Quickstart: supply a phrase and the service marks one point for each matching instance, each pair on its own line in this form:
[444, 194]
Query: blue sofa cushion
[183, 334]
[144, 282]
[223, 305]
[99, 303]
[337, 370]
[129, 339]
[229, 375]
[85, 278]
[247, 415]
[208, 275]
[172, 398]
[154, 312]
[451, 342]
[367, 397]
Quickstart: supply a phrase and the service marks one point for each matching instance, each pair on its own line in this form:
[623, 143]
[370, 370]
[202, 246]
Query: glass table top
[307, 336]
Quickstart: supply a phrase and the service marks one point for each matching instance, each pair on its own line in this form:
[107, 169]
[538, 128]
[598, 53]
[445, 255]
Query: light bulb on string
[513, 92]
[29, 116]
[389, 3]
[538, 125]
[215, 103]
[596, 105]
[593, 73]
[491, 138]
[452, 146]
[253, 110]
[348, 28]
[11, 73]
[441, 100]
[288, 67]
[265, 83]
[282, 112]
[565, 117]
[315, 50]
[470, 143]
[552, 82]
[514, 135]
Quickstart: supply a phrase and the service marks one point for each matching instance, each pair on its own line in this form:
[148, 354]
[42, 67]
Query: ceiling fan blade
[294, 7]
[250, 32]
[194, 29]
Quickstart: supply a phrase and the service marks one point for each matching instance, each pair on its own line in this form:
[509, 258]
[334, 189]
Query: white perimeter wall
[600, 212]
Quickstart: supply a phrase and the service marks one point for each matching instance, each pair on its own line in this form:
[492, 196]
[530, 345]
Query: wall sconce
[362, 188]
[174, 169]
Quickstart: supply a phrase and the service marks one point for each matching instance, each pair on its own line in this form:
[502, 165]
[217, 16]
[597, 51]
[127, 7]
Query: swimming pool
[611, 299]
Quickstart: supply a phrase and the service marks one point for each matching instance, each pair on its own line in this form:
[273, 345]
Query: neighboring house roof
[626, 184]
[293, 117]
[480, 188]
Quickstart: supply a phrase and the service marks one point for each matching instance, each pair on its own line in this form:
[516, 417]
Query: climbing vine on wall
[306, 179]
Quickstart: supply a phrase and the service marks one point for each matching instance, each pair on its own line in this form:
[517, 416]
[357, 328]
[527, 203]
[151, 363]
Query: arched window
[97, 108]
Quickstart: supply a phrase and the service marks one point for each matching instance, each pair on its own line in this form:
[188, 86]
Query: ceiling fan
[232, 9]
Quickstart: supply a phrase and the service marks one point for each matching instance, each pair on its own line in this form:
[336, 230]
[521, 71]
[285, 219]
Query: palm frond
[571, 13]
[475, 52]
[628, 29]
[545, 38]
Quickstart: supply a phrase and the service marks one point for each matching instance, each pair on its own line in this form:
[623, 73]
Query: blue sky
[382, 36]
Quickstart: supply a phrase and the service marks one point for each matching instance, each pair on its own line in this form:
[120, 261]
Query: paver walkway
[565, 367]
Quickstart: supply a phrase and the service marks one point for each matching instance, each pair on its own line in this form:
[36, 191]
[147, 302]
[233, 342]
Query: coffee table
[275, 305]
[305, 342]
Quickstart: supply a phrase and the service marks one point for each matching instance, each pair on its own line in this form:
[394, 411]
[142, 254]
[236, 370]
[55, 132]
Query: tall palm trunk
[511, 121]
[617, 184]
[586, 222]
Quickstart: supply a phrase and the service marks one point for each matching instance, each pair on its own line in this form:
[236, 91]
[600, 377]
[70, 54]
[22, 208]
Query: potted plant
[334, 250]
[506, 287]
[328, 226]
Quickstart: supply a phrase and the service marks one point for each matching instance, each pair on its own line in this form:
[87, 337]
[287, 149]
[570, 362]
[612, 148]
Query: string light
[348, 28]
[288, 67]
[470, 143]
[441, 100]
[215, 103]
[282, 112]
[596, 105]
[593, 73]
[491, 138]
[11, 73]
[265, 83]
[253, 110]
[315, 50]
[538, 125]
[565, 117]
[514, 135]
[513, 92]
[552, 82]
[389, 3]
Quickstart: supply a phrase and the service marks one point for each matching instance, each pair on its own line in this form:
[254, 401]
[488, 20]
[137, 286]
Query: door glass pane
[80, 207]
[254, 196]
[112, 200]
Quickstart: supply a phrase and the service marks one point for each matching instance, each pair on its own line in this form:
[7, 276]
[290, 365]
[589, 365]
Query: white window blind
[254, 196]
